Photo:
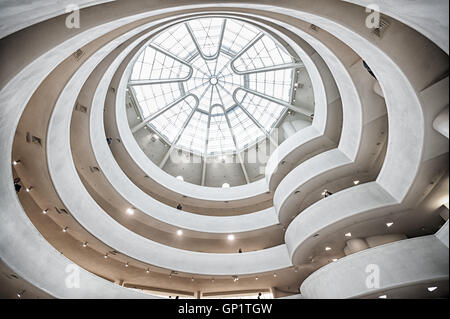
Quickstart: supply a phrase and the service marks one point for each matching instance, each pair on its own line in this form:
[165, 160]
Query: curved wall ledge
[400, 264]
[94, 219]
[325, 129]
[16, 16]
[362, 123]
[140, 200]
[135, 153]
[47, 271]
[400, 167]
[134, 150]
[442, 234]
[440, 123]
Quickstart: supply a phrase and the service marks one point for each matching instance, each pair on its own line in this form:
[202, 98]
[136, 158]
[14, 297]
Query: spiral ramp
[102, 210]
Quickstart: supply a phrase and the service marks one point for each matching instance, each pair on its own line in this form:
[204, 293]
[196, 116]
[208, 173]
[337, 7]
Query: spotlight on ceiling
[106, 256]
[148, 270]
[65, 229]
[389, 224]
[16, 162]
[348, 235]
[85, 244]
[356, 182]
[430, 289]
[327, 248]
[179, 232]
[126, 264]
[130, 211]
[29, 188]
[45, 211]
[382, 297]
[230, 237]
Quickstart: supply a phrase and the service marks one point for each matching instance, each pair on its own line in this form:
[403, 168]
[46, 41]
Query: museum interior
[197, 149]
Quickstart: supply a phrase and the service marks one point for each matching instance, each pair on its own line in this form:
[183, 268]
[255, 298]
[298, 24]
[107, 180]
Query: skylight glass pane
[244, 128]
[194, 136]
[155, 65]
[220, 138]
[237, 35]
[154, 97]
[264, 111]
[172, 121]
[207, 33]
[277, 84]
[263, 53]
[177, 41]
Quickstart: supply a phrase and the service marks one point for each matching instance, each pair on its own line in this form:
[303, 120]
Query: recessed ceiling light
[180, 178]
[130, 211]
[230, 237]
[356, 182]
[256, 278]
[28, 189]
[389, 224]
[225, 185]
[275, 275]
[192, 279]
[148, 270]
[45, 211]
[126, 264]
[431, 288]
[85, 244]
[179, 232]
[327, 248]
[16, 162]
[65, 229]
[382, 296]
[106, 256]
[348, 235]
[334, 259]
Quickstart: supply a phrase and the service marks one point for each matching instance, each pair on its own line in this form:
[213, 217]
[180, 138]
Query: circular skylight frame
[221, 120]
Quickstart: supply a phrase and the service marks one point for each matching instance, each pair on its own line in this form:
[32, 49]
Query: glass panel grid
[213, 82]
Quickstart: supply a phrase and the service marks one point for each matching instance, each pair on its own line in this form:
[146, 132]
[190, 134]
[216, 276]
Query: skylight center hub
[213, 80]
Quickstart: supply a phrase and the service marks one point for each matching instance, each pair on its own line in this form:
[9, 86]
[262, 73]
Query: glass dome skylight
[213, 85]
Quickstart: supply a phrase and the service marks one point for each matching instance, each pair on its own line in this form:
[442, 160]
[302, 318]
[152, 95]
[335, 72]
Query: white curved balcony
[379, 271]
